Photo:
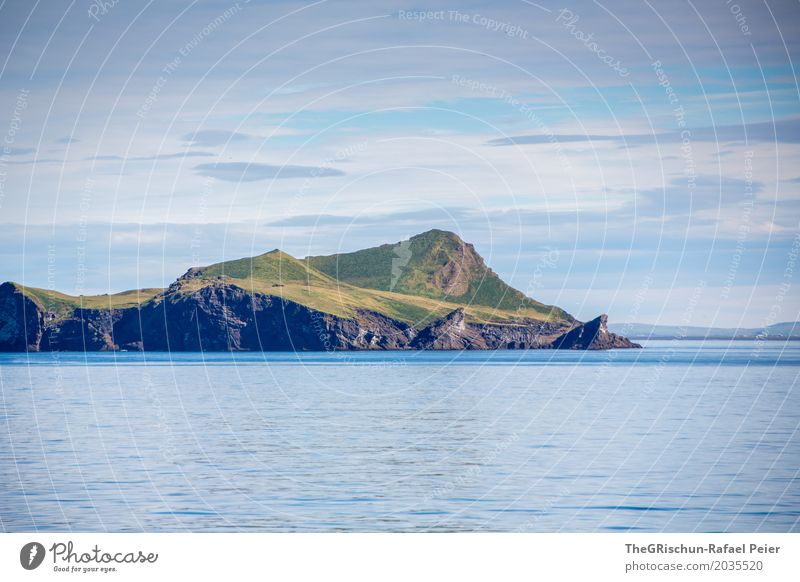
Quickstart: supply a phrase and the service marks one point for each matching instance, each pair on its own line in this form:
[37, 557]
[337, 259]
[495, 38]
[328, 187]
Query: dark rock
[281, 325]
[21, 321]
[531, 336]
[448, 333]
[453, 332]
[592, 335]
[88, 330]
[224, 317]
[204, 320]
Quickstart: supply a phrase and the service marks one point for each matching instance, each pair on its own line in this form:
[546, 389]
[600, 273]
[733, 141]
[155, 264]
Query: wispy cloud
[155, 157]
[253, 172]
[410, 219]
[780, 131]
[9, 151]
[34, 162]
[215, 137]
[706, 193]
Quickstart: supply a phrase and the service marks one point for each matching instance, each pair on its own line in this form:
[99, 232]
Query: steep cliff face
[533, 335]
[21, 320]
[592, 335]
[367, 331]
[90, 330]
[449, 333]
[453, 332]
[224, 317]
[203, 320]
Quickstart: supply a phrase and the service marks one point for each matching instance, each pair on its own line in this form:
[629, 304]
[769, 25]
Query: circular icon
[31, 555]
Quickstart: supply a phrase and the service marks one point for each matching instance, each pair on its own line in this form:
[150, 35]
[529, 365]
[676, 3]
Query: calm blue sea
[681, 436]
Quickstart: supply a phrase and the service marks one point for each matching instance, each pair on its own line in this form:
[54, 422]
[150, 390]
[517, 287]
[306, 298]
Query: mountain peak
[437, 233]
[272, 267]
[436, 264]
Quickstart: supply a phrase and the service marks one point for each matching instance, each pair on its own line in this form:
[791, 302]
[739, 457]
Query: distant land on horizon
[777, 331]
[432, 291]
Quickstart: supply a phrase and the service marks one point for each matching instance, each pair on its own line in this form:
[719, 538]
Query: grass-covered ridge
[61, 303]
[414, 281]
[278, 273]
[435, 264]
[275, 267]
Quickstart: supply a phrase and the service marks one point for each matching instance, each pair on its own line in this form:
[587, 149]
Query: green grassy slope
[274, 267]
[435, 264]
[278, 273]
[63, 304]
[416, 281]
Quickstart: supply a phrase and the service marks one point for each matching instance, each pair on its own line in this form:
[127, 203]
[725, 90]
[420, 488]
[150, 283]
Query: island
[430, 292]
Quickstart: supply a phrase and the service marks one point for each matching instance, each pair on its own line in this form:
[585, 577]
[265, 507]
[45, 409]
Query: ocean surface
[681, 436]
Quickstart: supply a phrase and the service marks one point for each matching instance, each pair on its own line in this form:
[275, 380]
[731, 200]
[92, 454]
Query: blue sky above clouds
[652, 148]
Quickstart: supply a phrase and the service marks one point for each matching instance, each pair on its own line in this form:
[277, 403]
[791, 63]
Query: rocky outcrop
[592, 335]
[453, 277]
[223, 317]
[208, 319]
[453, 332]
[88, 330]
[448, 333]
[21, 321]
[531, 336]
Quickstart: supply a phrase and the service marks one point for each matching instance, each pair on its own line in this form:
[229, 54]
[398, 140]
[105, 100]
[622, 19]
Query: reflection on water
[680, 436]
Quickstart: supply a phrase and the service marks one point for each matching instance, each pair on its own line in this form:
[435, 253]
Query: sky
[635, 159]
